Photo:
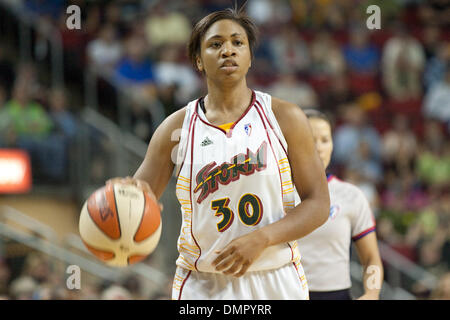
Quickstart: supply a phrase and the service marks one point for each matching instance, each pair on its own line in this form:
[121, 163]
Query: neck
[227, 98]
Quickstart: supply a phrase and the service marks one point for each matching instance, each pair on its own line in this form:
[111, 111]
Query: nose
[228, 50]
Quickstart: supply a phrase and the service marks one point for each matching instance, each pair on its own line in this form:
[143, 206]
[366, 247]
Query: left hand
[235, 258]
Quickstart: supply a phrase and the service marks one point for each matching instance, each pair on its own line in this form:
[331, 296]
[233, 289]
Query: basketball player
[326, 251]
[236, 169]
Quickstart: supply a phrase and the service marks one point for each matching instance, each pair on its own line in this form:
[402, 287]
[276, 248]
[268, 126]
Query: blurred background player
[326, 251]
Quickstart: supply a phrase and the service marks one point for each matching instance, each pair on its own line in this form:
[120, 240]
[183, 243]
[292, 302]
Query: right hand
[141, 184]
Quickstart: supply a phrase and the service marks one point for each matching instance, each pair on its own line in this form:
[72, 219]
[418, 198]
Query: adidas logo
[206, 142]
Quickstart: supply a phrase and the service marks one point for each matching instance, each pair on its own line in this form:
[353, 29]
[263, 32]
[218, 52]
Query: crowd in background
[387, 91]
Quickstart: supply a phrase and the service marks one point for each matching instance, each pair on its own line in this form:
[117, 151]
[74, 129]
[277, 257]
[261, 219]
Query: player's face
[321, 131]
[225, 51]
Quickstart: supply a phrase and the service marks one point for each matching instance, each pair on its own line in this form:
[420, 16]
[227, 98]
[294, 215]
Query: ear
[199, 64]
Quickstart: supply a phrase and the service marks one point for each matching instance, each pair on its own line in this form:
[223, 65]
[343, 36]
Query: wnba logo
[334, 210]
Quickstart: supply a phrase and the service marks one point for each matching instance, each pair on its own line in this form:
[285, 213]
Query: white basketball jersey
[326, 250]
[232, 183]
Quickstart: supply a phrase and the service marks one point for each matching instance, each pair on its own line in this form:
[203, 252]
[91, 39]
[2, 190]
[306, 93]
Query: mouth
[229, 65]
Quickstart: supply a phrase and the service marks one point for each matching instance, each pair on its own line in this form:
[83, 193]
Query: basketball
[120, 224]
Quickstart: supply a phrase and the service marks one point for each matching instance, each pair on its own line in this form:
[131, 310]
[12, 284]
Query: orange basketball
[120, 224]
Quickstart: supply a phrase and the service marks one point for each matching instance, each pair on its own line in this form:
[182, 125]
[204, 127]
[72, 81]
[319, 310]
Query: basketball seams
[116, 210]
[98, 252]
[140, 221]
[94, 220]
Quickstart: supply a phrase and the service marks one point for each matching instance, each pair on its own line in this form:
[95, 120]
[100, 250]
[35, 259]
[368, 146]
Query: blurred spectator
[436, 65]
[135, 70]
[442, 291]
[261, 11]
[5, 276]
[133, 286]
[51, 8]
[171, 71]
[166, 27]
[362, 60]
[37, 266]
[327, 60]
[431, 40]
[358, 144]
[368, 188]
[433, 159]
[289, 88]
[360, 55]
[29, 121]
[399, 146]
[365, 164]
[105, 51]
[338, 93]
[65, 123]
[27, 75]
[74, 45]
[22, 288]
[434, 12]
[7, 74]
[135, 67]
[115, 292]
[289, 51]
[431, 246]
[437, 100]
[59, 142]
[113, 16]
[403, 61]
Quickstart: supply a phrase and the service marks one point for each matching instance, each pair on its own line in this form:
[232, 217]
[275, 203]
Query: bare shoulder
[289, 115]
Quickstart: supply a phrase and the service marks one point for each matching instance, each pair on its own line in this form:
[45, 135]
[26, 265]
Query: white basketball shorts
[285, 283]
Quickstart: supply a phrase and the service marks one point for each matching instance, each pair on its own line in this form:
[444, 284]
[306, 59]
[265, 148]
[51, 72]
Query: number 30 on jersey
[250, 211]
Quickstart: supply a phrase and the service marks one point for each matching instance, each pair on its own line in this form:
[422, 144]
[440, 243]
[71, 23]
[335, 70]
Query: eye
[238, 43]
[325, 140]
[215, 44]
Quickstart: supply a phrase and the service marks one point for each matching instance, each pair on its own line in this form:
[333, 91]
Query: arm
[310, 180]
[369, 258]
[155, 171]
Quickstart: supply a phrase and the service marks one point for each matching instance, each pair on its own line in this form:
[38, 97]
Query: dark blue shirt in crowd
[137, 72]
[361, 59]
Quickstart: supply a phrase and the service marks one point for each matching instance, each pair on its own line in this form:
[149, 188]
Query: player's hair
[202, 26]
[312, 113]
